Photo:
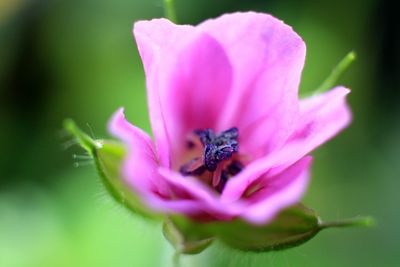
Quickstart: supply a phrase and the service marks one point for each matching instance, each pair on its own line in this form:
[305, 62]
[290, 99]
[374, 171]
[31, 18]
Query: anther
[193, 167]
[190, 144]
[205, 136]
[210, 160]
[224, 178]
[231, 133]
[235, 167]
[217, 148]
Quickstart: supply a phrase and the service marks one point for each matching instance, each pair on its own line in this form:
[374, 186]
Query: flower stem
[176, 259]
[343, 65]
[169, 10]
[358, 221]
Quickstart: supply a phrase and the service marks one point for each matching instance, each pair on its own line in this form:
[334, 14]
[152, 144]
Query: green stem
[169, 10]
[358, 221]
[176, 259]
[336, 72]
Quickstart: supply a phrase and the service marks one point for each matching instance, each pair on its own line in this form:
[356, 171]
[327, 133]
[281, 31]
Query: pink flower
[231, 137]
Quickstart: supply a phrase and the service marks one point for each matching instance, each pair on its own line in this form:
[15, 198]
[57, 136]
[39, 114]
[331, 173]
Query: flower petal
[282, 191]
[199, 89]
[141, 172]
[267, 58]
[140, 169]
[181, 206]
[159, 41]
[322, 117]
[140, 165]
[188, 80]
[207, 201]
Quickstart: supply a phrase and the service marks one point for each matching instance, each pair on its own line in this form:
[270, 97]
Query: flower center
[218, 161]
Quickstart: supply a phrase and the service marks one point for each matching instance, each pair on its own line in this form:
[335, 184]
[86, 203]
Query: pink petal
[140, 165]
[206, 199]
[188, 80]
[200, 87]
[181, 206]
[267, 58]
[159, 41]
[236, 186]
[285, 189]
[140, 170]
[322, 117]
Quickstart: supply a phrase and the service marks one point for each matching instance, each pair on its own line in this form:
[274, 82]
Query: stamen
[235, 167]
[224, 152]
[218, 150]
[217, 176]
[209, 157]
[193, 167]
[190, 144]
[221, 185]
[205, 136]
[232, 133]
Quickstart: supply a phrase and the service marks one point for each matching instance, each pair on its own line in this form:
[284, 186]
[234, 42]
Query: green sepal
[185, 236]
[108, 156]
[108, 162]
[291, 227]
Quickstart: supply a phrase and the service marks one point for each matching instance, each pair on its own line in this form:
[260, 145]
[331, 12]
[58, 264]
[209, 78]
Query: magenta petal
[206, 199]
[201, 83]
[128, 133]
[180, 206]
[267, 57]
[159, 41]
[188, 80]
[236, 186]
[321, 117]
[140, 165]
[140, 169]
[285, 189]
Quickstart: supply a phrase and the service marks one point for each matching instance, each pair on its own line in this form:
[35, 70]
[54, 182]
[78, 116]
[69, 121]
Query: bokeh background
[77, 58]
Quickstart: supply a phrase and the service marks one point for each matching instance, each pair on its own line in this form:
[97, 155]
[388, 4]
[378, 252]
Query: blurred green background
[77, 59]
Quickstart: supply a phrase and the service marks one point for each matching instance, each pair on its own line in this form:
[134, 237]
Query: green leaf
[108, 156]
